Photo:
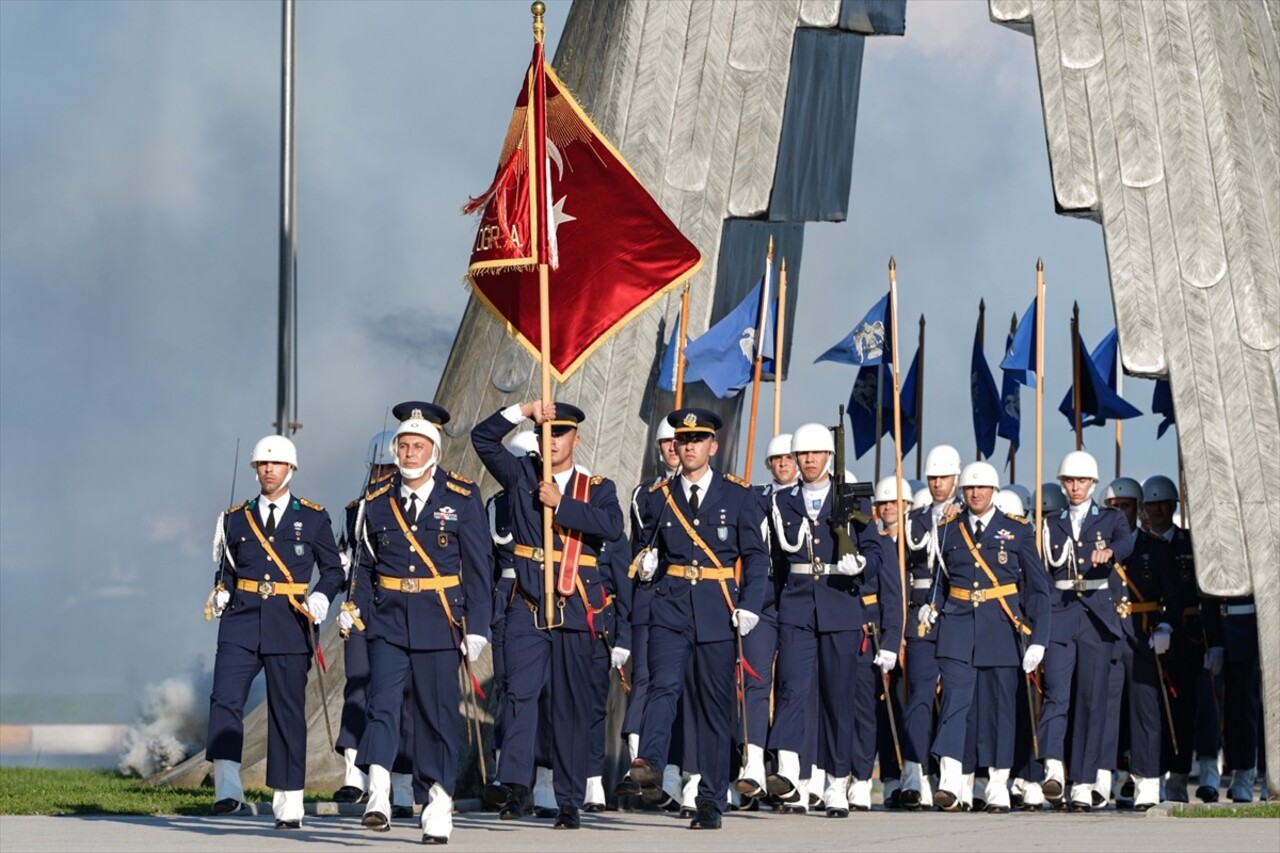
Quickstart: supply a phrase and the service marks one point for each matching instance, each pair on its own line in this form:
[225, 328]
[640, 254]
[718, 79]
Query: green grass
[32, 791]
[1250, 810]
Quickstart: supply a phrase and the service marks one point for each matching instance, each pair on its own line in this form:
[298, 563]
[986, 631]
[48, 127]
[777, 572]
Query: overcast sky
[138, 254]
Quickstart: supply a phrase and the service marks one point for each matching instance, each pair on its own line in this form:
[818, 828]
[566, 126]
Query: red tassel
[475, 685]
[320, 659]
[863, 649]
[746, 667]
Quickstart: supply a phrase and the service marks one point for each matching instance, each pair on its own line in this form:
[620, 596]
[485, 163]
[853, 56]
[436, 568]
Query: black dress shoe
[686, 812]
[568, 818]
[227, 805]
[519, 804]
[1142, 807]
[1015, 800]
[348, 794]
[376, 821]
[545, 812]
[910, 799]
[496, 794]
[992, 808]
[706, 818]
[837, 812]
[1127, 789]
[894, 800]
[946, 801]
[1052, 790]
[1207, 794]
[593, 808]
[646, 773]
[434, 839]
[402, 812]
[288, 824]
[1098, 800]
[979, 805]
[782, 788]
[749, 788]
[1079, 807]
[626, 787]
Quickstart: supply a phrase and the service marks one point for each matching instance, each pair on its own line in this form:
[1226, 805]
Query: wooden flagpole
[919, 403]
[1039, 404]
[1078, 398]
[1119, 368]
[897, 435]
[680, 342]
[755, 378]
[1013, 451]
[544, 319]
[982, 340]
[779, 339]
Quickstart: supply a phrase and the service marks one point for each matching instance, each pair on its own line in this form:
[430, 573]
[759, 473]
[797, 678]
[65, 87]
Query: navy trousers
[1077, 673]
[1143, 715]
[759, 647]
[234, 669]
[355, 701]
[1242, 704]
[988, 693]
[845, 695]
[639, 680]
[922, 684]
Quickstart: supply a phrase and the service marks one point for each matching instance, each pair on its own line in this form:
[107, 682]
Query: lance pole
[982, 339]
[919, 401]
[897, 450]
[759, 361]
[539, 118]
[1077, 396]
[1119, 369]
[1039, 404]
[680, 341]
[1013, 450]
[779, 340]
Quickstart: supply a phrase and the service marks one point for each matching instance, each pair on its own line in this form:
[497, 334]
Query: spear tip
[893, 265]
[1039, 264]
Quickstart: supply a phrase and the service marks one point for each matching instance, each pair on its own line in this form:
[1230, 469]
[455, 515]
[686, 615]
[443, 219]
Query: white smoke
[171, 723]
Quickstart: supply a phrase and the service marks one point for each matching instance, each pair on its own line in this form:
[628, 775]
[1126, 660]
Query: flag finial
[1039, 264]
[538, 9]
[893, 265]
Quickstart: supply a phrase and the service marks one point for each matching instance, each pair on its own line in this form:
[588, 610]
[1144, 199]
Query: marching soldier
[355, 650]
[1231, 634]
[927, 536]
[425, 539]
[885, 671]
[695, 529]
[995, 593]
[266, 549]
[1081, 545]
[1142, 585]
[822, 614]
[560, 654]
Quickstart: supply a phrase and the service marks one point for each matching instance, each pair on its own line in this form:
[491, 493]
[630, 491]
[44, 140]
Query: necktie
[693, 499]
[978, 527]
[271, 519]
[411, 506]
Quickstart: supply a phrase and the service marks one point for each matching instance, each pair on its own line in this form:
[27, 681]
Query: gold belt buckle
[538, 555]
[265, 588]
[408, 584]
[1123, 607]
[691, 574]
[978, 596]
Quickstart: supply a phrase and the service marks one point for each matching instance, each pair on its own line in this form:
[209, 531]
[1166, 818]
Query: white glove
[928, 616]
[618, 657]
[886, 660]
[345, 558]
[347, 618]
[744, 621]
[648, 565]
[1213, 657]
[851, 564]
[473, 645]
[1159, 641]
[1032, 658]
[221, 599]
[318, 606]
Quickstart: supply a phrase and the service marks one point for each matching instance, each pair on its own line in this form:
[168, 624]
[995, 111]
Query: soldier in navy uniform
[426, 542]
[888, 593]
[380, 461]
[1143, 586]
[996, 601]
[926, 537]
[698, 526]
[613, 620]
[1081, 545]
[559, 654]
[760, 647]
[265, 550]
[821, 617]
[1231, 637]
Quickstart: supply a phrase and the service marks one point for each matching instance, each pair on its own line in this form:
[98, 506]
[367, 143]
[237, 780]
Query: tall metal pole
[982, 340]
[1039, 404]
[1119, 368]
[285, 415]
[1013, 451]
[1075, 372]
[919, 401]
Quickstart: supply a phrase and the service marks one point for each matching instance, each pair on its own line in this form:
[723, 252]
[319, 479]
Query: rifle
[847, 498]
[349, 605]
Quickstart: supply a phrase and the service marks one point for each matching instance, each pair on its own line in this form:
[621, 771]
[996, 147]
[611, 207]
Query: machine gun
[847, 498]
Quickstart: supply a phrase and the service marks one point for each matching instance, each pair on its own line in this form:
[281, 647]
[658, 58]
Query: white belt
[1081, 584]
[813, 568]
[509, 573]
[1239, 609]
[921, 583]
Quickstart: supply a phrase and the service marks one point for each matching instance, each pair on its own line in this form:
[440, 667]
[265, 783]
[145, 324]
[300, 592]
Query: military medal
[443, 539]
[1002, 557]
[298, 548]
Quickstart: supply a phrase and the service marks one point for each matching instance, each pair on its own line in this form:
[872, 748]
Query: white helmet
[1028, 499]
[665, 431]
[812, 438]
[523, 443]
[921, 498]
[1008, 501]
[942, 461]
[979, 474]
[917, 486]
[1124, 488]
[1053, 498]
[1079, 463]
[887, 491]
[275, 448]
[382, 449]
[780, 445]
[1159, 488]
[849, 476]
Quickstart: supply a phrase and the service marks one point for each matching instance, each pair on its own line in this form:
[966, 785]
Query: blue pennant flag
[1010, 406]
[1162, 404]
[667, 370]
[986, 402]
[1098, 398]
[862, 407]
[910, 419]
[724, 357]
[1020, 356]
[869, 341]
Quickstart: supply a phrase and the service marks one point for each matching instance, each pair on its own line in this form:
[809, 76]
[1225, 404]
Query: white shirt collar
[423, 492]
[281, 503]
[984, 519]
[703, 484]
[1168, 534]
[562, 479]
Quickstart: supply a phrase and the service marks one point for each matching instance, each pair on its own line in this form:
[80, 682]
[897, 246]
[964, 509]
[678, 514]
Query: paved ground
[646, 833]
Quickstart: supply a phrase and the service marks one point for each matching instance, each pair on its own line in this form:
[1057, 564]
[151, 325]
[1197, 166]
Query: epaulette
[595, 481]
[309, 505]
[462, 478]
[355, 503]
[736, 480]
[237, 507]
[379, 493]
[1021, 519]
[656, 486]
[454, 487]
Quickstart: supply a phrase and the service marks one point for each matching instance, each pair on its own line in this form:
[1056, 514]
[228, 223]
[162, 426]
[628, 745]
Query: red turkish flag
[611, 249]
